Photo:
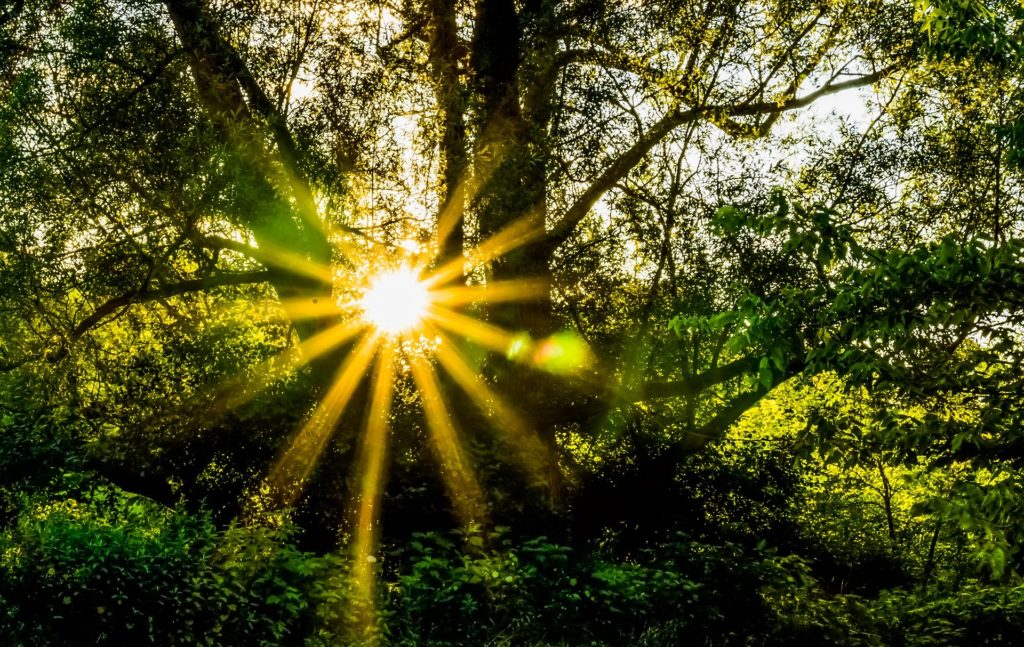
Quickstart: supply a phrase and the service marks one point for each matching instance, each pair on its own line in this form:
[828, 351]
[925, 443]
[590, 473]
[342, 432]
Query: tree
[166, 154]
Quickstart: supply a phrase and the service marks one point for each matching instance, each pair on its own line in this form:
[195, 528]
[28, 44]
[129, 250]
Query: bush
[114, 568]
[107, 567]
[477, 589]
[976, 615]
[927, 617]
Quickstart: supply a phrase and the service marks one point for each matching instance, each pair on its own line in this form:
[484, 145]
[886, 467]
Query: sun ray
[449, 216]
[515, 234]
[349, 242]
[240, 389]
[371, 483]
[289, 474]
[395, 309]
[466, 190]
[308, 308]
[495, 292]
[326, 340]
[274, 256]
[456, 466]
[485, 334]
[311, 214]
[530, 451]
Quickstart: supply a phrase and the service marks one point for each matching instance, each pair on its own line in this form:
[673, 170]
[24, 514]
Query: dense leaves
[767, 389]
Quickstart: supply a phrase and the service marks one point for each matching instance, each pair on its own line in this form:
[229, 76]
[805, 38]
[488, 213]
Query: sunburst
[396, 301]
[408, 314]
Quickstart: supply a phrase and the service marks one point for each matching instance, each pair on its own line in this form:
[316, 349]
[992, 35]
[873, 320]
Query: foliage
[536, 592]
[821, 199]
[106, 567]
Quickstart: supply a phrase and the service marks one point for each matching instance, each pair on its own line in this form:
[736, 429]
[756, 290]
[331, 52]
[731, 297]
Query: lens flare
[395, 302]
[417, 317]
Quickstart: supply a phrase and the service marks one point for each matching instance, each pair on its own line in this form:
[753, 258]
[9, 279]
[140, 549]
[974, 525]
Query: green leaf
[764, 373]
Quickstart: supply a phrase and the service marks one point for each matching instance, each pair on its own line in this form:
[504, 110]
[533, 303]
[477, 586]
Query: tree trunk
[276, 203]
[450, 95]
[887, 502]
[510, 167]
[929, 562]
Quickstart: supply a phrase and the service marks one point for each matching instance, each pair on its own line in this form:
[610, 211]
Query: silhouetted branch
[185, 287]
[628, 160]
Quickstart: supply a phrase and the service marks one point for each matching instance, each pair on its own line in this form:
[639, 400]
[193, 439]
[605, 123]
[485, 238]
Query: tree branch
[615, 172]
[223, 79]
[795, 103]
[625, 163]
[717, 426]
[697, 383]
[196, 285]
[220, 242]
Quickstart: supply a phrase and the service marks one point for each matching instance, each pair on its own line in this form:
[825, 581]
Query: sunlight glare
[371, 463]
[396, 301]
[457, 469]
[288, 477]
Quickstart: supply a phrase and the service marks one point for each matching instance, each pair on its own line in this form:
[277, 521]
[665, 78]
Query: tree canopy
[624, 294]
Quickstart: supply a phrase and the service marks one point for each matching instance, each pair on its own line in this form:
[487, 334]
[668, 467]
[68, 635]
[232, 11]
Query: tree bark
[444, 54]
[509, 164]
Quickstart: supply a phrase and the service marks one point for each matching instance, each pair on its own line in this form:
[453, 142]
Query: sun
[395, 302]
[428, 300]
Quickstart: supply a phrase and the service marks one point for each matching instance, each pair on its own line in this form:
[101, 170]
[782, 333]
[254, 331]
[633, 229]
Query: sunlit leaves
[980, 28]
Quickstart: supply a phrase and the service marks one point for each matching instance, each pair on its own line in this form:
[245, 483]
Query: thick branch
[590, 406]
[196, 31]
[628, 160]
[616, 171]
[224, 84]
[697, 383]
[185, 287]
[220, 242]
[717, 426]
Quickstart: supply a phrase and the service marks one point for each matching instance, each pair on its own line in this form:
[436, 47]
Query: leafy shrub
[933, 616]
[114, 568]
[925, 617]
[107, 567]
[475, 589]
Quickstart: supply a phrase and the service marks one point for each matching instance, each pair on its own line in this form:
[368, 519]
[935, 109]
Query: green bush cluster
[537, 592]
[975, 615]
[115, 568]
[922, 617]
[102, 566]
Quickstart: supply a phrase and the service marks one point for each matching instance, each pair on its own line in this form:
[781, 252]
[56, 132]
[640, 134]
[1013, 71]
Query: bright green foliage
[824, 445]
[984, 33]
[984, 29]
[112, 568]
